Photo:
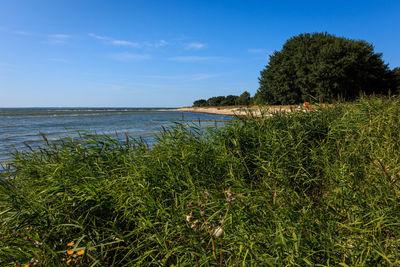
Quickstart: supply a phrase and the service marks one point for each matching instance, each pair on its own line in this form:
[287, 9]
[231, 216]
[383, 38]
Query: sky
[120, 53]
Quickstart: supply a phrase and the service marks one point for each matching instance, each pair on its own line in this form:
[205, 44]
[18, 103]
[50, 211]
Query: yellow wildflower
[70, 252]
[70, 244]
[81, 252]
[68, 261]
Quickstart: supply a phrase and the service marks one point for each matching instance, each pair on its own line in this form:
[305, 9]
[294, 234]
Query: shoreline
[236, 110]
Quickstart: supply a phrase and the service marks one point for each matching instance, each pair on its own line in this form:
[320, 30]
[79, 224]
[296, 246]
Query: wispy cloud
[198, 59]
[24, 33]
[118, 42]
[114, 41]
[195, 46]
[125, 43]
[99, 37]
[258, 50]
[160, 43]
[59, 38]
[129, 57]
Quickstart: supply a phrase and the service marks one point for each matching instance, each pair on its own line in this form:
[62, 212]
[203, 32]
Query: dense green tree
[395, 73]
[321, 67]
[215, 100]
[229, 100]
[243, 99]
[200, 103]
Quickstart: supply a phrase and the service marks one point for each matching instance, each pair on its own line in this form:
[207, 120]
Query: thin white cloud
[118, 42]
[114, 41]
[257, 50]
[129, 57]
[160, 43]
[197, 59]
[125, 43]
[24, 33]
[99, 37]
[195, 46]
[157, 44]
[59, 38]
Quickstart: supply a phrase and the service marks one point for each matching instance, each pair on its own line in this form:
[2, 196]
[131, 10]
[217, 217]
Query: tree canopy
[396, 80]
[322, 67]
[229, 100]
[243, 99]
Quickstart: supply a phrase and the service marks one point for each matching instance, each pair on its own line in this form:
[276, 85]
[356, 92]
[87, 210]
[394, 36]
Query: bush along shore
[312, 188]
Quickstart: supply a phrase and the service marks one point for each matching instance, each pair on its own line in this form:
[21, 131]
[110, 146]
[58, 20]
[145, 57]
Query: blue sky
[75, 53]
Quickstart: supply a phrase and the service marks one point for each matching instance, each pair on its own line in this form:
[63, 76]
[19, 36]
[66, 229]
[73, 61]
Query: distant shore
[235, 110]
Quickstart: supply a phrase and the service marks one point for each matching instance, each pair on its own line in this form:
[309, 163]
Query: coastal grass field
[314, 188]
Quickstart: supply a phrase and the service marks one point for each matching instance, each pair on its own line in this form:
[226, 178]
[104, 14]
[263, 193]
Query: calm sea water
[24, 125]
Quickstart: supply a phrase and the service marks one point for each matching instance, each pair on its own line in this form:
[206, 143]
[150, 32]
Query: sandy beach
[232, 111]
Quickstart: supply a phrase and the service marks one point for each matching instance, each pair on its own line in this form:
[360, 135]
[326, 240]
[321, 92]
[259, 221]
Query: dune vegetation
[312, 188]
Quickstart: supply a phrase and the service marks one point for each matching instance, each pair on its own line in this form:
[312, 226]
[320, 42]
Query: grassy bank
[315, 188]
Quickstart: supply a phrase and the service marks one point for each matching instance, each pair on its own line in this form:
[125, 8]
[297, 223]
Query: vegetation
[321, 67]
[396, 79]
[318, 67]
[230, 100]
[302, 188]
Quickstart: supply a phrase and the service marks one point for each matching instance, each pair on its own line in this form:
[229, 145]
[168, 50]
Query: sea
[23, 127]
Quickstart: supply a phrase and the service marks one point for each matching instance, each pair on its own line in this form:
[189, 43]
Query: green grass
[313, 188]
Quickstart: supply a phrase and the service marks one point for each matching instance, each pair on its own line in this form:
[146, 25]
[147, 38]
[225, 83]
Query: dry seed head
[194, 224]
[231, 199]
[228, 192]
[189, 217]
[218, 232]
[34, 262]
